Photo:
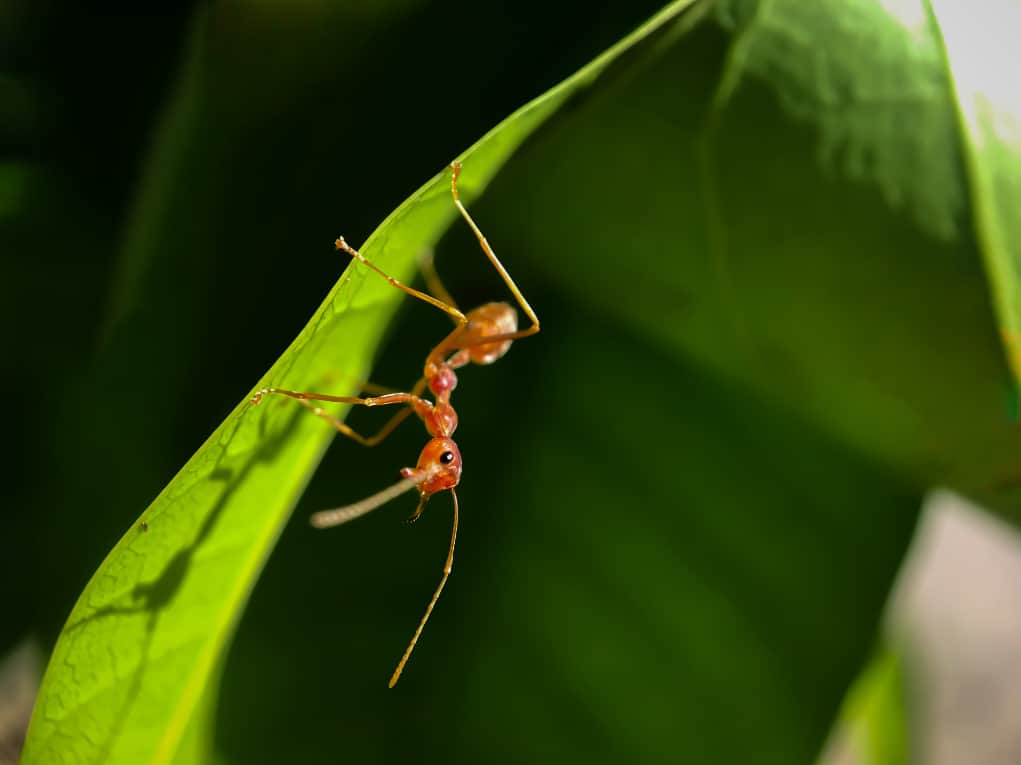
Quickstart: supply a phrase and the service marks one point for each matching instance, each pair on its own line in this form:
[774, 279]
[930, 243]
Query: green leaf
[139, 651]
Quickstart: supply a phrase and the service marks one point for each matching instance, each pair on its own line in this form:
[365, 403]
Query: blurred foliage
[766, 331]
[873, 715]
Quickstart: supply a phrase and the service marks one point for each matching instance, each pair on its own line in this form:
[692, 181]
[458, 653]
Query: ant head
[440, 463]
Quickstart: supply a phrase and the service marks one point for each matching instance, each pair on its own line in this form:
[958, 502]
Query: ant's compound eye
[447, 457]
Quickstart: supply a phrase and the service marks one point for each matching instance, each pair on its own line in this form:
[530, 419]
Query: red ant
[481, 336]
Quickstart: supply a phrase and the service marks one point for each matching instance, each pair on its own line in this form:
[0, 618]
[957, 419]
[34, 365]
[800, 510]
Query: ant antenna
[326, 518]
[436, 596]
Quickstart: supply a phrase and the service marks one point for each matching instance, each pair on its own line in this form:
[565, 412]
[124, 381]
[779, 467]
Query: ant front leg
[383, 400]
[388, 427]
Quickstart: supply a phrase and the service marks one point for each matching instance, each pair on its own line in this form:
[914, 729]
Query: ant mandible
[480, 336]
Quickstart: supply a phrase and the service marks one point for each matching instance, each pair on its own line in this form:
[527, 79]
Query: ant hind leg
[448, 308]
[432, 279]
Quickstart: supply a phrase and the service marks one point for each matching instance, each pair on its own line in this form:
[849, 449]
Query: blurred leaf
[872, 728]
[140, 648]
[799, 226]
[980, 53]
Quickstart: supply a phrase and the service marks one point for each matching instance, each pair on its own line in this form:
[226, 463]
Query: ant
[481, 336]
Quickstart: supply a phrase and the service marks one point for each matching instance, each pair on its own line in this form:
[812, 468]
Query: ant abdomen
[490, 320]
